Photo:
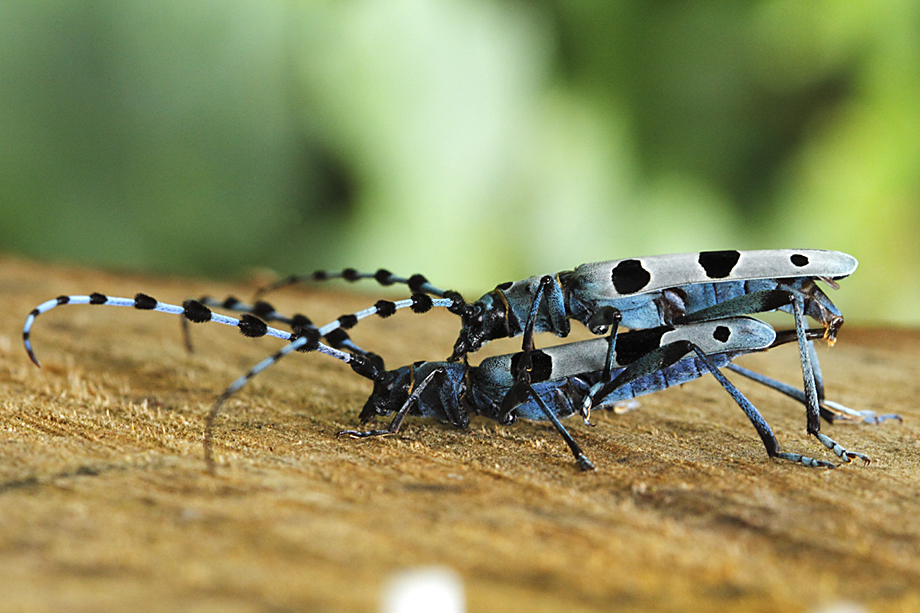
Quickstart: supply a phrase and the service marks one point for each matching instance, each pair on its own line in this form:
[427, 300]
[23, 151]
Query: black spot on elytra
[721, 334]
[799, 260]
[629, 277]
[541, 365]
[634, 344]
[718, 264]
[503, 286]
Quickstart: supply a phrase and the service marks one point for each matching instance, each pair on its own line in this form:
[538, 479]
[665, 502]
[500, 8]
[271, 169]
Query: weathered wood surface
[105, 502]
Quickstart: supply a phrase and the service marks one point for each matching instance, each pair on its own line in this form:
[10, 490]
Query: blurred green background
[476, 141]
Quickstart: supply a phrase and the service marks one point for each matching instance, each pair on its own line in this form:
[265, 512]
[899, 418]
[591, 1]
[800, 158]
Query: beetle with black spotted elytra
[647, 292]
[566, 375]
[642, 293]
[449, 403]
[648, 360]
[523, 368]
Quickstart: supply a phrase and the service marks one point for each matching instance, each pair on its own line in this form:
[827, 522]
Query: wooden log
[105, 501]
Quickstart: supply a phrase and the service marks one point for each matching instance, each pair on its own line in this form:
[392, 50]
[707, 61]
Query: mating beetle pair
[679, 305]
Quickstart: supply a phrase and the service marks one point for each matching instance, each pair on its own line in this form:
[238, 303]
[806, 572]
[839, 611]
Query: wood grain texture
[106, 504]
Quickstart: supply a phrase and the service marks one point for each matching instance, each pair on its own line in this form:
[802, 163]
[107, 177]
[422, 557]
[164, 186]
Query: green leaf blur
[475, 141]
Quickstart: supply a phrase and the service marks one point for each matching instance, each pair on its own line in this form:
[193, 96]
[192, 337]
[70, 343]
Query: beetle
[454, 383]
[647, 292]
[646, 361]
